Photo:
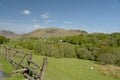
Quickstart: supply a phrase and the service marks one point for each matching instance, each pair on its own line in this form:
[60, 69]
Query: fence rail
[23, 63]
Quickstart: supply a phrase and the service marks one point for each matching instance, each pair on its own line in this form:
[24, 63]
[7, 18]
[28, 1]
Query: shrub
[107, 58]
[68, 50]
[38, 48]
[29, 46]
[3, 39]
[51, 51]
[117, 58]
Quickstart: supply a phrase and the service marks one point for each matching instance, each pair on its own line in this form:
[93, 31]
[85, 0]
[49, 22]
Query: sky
[23, 16]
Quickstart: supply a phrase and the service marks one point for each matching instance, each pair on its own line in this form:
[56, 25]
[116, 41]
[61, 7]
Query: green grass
[72, 69]
[7, 68]
[62, 69]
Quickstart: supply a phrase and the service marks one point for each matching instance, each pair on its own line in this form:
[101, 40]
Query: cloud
[45, 16]
[36, 26]
[67, 22]
[26, 12]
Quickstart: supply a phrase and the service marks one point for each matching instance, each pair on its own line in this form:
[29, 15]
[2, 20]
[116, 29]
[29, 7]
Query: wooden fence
[23, 63]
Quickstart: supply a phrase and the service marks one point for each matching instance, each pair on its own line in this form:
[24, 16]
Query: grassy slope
[72, 69]
[64, 69]
[6, 67]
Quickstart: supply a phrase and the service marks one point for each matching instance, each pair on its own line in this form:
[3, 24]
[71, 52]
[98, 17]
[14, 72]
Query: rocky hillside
[44, 33]
[54, 32]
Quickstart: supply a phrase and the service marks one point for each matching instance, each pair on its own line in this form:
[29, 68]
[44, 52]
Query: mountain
[44, 33]
[54, 32]
[8, 34]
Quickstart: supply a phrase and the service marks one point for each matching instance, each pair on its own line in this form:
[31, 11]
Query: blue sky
[23, 16]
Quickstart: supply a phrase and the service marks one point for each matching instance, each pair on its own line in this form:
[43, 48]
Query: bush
[68, 50]
[3, 39]
[29, 46]
[117, 58]
[107, 58]
[55, 50]
[38, 48]
[83, 53]
[52, 51]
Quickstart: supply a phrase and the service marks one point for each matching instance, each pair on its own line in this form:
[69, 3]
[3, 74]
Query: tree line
[100, 47]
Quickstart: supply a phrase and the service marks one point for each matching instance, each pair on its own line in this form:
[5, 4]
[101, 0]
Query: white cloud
[36, 26]
[67, 22]
[26, 12]
[45, 16]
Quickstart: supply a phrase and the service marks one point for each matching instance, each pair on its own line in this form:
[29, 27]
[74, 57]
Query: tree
[38, 48]
[29, 46]
[3, 39]
[83, 53]
[107, 58]
[68, 50]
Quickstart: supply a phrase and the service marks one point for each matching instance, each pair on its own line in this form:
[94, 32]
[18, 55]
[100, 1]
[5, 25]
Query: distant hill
[44, 33]
[8, 34]
[54, 32]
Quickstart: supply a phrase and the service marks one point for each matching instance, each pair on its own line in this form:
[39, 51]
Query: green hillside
[67, 69]
[72, 69]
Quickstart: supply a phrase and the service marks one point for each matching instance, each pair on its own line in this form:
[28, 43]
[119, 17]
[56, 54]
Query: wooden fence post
[29, 68]
[29, 59]
[44, 67]
[1, 51]
[8, 53]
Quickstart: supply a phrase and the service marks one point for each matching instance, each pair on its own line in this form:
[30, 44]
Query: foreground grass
[7, 68]
[72, 69]
[63, 69]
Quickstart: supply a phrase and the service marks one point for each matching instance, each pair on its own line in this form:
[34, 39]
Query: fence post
[44, 67]
[8, 53]
[1, 51]
[29, 59]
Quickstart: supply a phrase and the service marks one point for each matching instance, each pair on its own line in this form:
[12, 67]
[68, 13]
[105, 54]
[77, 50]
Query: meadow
[65, 69]
[72, 69]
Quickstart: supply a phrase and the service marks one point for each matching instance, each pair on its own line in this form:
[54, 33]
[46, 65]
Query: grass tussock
[110, 70]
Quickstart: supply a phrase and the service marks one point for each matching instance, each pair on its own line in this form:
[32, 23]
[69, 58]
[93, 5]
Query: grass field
[72, 69]
[64, 69]
[7, 68]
